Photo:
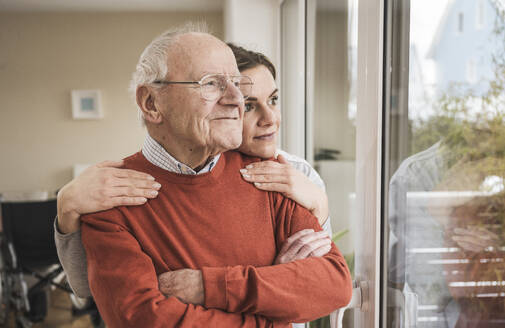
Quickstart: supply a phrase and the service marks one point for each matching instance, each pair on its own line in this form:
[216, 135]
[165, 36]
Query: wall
[43, 56]
[334, 129]
[253, 25]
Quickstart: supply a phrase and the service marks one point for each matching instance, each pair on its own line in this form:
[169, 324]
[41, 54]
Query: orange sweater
[220, 224]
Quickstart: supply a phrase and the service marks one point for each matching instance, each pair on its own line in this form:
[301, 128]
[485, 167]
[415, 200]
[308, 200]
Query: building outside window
[471, 72]
[480, 14]
[461, 22]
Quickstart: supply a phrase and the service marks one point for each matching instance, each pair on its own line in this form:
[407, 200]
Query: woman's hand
[475, 239]
[284, 178]
[303, 244]
[102, 187]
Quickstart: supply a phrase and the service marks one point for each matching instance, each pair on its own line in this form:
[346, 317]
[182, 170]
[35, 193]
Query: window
[443, 176]
[461, 22]
[480, 14]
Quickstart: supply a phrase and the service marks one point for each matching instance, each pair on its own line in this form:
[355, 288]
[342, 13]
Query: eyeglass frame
[228, 77]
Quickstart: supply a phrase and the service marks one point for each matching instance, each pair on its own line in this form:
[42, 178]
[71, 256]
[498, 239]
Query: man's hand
[303, 244]
[475, 239]
[185, 284]
[102, 187]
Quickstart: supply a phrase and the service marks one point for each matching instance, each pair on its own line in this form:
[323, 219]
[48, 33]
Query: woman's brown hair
[247, 59]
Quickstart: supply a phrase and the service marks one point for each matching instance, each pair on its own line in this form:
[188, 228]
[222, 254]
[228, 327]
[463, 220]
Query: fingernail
[150, 178]
[243, 171]
[156, 185]
[249, 166]
[153, 192]
[257, 184]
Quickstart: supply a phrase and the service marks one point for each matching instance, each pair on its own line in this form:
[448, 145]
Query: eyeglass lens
[213, 86]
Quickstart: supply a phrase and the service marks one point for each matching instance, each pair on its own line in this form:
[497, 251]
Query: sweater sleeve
[124, 283]
[303, 166]
[327, 227]
[298, 291]
[73, 259]
[316, 179]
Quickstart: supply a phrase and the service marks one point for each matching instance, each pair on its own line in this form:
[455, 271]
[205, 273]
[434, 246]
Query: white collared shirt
[157, 155]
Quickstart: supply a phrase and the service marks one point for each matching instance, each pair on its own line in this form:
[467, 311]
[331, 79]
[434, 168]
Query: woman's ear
[145, 101]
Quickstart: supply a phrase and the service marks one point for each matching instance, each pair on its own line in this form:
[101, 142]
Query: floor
[59, 314]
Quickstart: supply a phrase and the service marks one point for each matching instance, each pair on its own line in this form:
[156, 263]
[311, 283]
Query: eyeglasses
[213, 86]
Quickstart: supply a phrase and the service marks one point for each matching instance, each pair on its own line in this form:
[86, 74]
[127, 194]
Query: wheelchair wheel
[5, 290]
[38, 305]
[4, 302]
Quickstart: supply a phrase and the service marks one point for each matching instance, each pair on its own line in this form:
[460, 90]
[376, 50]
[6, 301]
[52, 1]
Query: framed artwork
[86, 104]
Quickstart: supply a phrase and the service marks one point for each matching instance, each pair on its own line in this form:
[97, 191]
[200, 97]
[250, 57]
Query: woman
[105, 185]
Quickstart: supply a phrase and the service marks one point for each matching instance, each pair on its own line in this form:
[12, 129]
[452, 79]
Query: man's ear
[145, 101]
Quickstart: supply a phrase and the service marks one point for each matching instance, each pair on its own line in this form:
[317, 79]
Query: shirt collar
[157, 155]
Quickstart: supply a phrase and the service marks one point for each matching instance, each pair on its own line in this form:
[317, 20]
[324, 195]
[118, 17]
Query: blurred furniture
[29, 263]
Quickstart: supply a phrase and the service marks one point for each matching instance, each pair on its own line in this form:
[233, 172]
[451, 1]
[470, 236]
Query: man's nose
[232, 95]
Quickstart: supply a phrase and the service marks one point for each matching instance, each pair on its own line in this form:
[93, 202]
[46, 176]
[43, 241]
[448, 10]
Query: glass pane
[331, 100]
[446, 197]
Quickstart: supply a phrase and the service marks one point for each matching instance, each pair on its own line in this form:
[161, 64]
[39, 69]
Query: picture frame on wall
[86, 104]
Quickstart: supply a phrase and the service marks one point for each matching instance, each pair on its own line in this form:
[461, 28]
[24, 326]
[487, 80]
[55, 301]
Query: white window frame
[367, 241]
[292, 68]
[368, 158]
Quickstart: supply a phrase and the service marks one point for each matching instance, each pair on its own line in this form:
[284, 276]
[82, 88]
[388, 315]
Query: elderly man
[212, 236]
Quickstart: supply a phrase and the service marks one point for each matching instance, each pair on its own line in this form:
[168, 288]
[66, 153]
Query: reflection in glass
[331, 96]
[446, 204]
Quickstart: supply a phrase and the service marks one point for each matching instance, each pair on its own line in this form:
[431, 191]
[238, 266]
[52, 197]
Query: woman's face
[262, 115]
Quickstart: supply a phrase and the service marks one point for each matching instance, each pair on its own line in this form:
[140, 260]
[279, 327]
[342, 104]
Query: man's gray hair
[152, 64]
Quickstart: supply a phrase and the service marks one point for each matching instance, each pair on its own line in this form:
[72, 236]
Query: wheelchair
[29, 265]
